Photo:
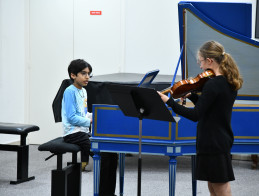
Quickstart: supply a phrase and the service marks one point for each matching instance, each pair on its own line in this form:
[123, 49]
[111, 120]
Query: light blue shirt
[74, 109]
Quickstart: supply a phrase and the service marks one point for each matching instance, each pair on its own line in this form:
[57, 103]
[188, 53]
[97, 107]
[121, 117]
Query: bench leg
[58, 183]
[22, 165]
[66, 181]
[74, 180]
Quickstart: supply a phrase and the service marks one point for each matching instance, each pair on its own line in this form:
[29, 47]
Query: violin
[183, 87]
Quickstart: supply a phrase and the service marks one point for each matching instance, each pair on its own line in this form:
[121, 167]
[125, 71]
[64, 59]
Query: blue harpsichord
[112, 131]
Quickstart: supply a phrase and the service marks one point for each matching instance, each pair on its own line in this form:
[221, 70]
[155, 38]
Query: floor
[154, 176]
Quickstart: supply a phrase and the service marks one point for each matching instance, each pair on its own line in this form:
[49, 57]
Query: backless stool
[22, 149]
[64, 181]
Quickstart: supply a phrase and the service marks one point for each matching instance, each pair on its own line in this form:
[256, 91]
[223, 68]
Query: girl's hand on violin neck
[163, 97]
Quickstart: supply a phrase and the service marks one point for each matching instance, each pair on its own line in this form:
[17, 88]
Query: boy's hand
[90, 116]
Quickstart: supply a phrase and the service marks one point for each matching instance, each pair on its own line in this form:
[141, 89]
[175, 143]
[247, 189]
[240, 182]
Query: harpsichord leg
[97, 164]
[172, 175]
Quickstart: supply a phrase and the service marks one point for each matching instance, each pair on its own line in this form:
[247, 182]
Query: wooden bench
[22, 149]
[64, 181]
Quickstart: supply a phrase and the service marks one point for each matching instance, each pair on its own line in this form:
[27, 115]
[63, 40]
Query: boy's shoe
[85, 167]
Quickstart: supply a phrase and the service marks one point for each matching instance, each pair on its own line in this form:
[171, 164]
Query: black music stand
[141, 103]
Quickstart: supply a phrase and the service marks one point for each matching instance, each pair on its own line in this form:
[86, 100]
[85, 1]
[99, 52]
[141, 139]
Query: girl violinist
[212, 110]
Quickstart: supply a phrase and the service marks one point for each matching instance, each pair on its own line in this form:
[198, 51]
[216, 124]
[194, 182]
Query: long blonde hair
[228, 66]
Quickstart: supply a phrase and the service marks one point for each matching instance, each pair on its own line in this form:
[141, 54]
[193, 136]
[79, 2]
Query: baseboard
[14, 143]
[243, 157]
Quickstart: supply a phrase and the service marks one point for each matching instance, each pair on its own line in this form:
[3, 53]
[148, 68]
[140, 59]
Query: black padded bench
[22, 149]
[64, 181]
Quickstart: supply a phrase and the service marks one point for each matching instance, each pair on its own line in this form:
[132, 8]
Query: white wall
[151, 36]
[12, 64]
[39, 38]
[68, 31]
[51, 49]
[97, 38]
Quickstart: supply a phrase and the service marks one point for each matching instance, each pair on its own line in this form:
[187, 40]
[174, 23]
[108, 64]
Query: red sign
[95, 12]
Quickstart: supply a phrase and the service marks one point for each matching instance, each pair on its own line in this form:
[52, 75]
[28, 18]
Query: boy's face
[82, 78]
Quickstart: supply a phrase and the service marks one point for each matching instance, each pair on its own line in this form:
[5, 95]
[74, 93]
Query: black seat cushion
[15, 128]
[58, 146]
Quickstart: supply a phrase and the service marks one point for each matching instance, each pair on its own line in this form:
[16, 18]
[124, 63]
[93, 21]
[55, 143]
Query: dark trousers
[81, 139]
[108, 174]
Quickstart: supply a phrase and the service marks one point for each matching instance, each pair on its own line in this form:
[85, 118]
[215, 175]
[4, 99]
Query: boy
[75, 119]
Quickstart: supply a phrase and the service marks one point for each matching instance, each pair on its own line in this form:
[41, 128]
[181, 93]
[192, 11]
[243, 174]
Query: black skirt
[215, 168]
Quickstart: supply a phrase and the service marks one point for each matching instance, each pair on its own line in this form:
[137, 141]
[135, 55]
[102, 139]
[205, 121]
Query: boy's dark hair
[78, 65]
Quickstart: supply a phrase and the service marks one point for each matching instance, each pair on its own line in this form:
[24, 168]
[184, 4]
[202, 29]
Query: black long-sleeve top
[213, 110]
